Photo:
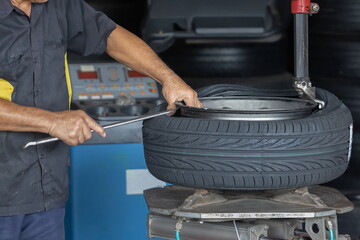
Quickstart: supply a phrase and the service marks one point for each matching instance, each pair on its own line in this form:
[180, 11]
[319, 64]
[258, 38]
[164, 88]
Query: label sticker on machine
[138, 180]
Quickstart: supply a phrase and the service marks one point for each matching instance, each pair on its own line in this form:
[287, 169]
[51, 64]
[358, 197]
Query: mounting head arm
[301, 10]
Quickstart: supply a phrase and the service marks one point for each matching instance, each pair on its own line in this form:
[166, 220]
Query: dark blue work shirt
[33, 72]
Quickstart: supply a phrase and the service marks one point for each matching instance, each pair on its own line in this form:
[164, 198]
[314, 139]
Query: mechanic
[35, 95]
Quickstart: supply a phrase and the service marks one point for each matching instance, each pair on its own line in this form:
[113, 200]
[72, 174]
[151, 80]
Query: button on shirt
[33, 73]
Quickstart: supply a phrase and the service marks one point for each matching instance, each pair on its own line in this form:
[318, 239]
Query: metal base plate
[214, 205]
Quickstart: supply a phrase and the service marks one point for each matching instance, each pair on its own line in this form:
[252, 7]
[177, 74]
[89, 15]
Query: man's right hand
[74, 127]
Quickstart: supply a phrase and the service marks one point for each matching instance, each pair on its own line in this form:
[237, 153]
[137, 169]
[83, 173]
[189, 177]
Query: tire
[347, 91]
[336, 17]
[335, 57]
[278, 81]
[227, 60]
[250, 155]
[349, 182]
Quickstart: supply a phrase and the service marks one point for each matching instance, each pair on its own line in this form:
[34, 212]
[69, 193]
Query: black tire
[278, 81]
[337, 17]
[250, 155]
[335, 57]
[347, 91]
[227, 60]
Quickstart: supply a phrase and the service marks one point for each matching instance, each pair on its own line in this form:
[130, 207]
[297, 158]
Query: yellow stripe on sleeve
[68, 79]
[6, 90]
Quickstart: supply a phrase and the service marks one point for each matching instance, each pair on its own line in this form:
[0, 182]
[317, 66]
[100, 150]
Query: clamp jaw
[305, 90]
[301, 82]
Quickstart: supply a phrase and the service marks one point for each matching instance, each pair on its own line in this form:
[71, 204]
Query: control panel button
[95, 96]
[83, 96]
[107, 95]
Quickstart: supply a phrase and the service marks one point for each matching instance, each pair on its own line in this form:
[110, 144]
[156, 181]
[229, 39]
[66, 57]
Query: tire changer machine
[303, 213]
[108, 175]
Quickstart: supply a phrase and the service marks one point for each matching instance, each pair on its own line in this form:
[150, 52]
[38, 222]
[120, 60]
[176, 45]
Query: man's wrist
[169, 77]
[50, 123]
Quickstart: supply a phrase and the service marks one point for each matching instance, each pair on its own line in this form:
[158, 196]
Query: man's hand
[74, 127]
[175, 89]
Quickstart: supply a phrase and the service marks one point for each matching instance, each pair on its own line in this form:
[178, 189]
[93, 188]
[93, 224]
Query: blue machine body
[108, 175]
[99, 207]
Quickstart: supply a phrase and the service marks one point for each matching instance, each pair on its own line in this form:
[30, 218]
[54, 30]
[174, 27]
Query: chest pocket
[9, 67]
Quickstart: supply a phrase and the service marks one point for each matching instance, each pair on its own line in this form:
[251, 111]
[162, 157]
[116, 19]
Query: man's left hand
[175, 89]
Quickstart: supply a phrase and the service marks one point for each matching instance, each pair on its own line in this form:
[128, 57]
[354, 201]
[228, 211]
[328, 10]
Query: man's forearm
[127, 48]
[18, 118]
[73, 127]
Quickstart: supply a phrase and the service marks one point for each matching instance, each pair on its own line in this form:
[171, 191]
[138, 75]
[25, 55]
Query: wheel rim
[250, 108]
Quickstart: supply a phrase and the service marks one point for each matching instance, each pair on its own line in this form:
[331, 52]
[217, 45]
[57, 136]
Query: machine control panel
[107, 81]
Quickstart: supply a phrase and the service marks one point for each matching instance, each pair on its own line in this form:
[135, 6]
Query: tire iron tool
[144, 117]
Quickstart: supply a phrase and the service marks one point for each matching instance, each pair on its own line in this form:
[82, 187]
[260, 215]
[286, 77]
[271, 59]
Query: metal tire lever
[144, 117]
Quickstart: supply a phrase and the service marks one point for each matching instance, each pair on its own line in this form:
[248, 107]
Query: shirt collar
[5, 8]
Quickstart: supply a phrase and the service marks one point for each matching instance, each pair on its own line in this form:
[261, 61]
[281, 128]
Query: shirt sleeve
[88, 29]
